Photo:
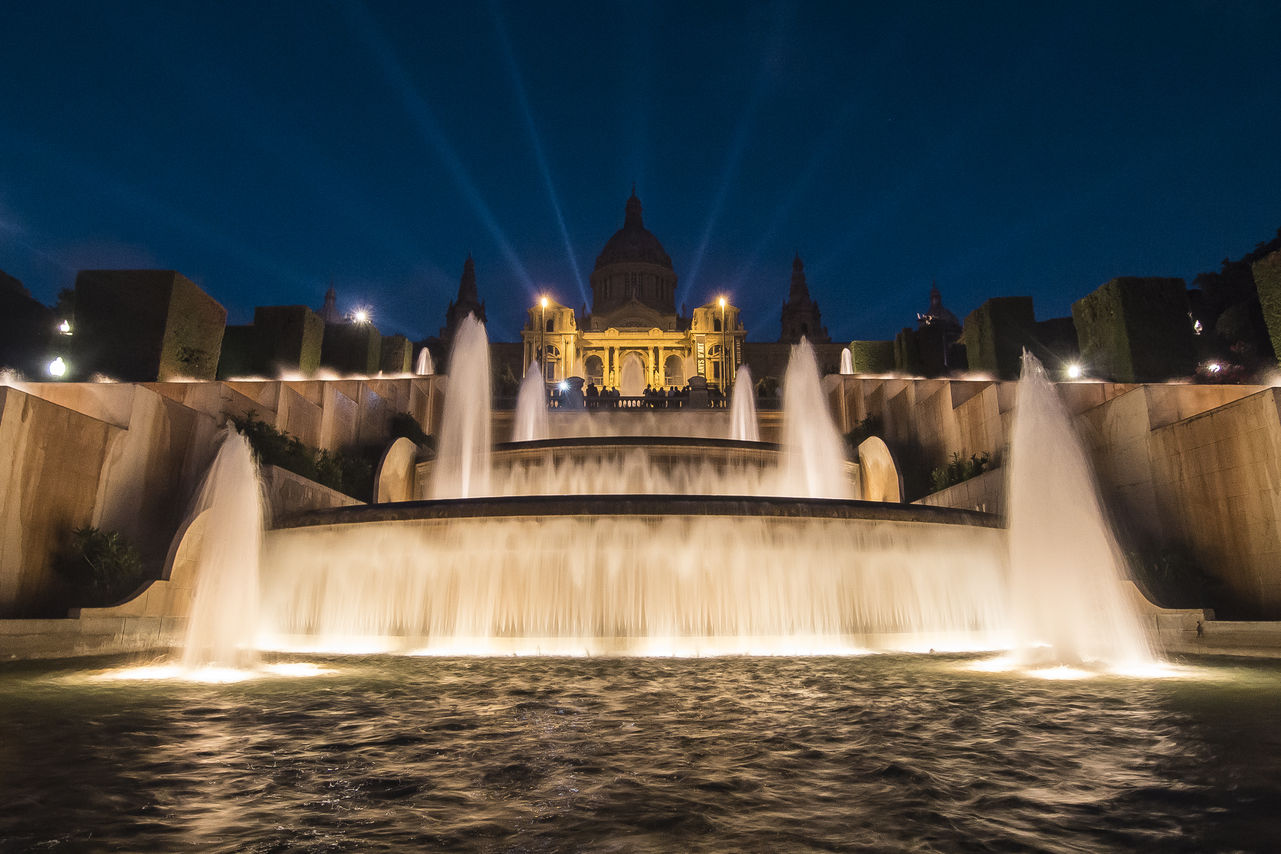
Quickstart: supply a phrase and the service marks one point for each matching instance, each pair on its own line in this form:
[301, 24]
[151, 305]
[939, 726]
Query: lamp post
[724, 372]
[542, 337]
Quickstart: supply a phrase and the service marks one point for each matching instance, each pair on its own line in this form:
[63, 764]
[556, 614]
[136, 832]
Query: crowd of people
[654, 397]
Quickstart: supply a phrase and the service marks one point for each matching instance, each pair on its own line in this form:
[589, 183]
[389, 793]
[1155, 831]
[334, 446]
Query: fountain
[742, 411]
[531, 407]
[637, 545]
[423, 366]
[227, 519]
[847, 361]
[814, 447]
[462, 467]
[1067, 601]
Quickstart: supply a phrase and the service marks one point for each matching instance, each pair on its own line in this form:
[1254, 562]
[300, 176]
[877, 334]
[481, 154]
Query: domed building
[633, 336]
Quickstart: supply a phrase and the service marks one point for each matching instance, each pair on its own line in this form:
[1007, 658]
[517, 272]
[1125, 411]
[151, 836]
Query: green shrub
[959, 470]
[348, 471]
[100, 567]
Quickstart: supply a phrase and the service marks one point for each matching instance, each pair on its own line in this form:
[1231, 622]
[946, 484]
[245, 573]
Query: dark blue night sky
[266, 148]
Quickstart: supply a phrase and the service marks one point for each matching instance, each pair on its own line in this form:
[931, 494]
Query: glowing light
[543, 302]
[211, 675]
[64, 327]
[1074, 371]
[564, 386]
[57, 368]
[1197, 328]
[362, 314]
[721, 302]
[1214, 367]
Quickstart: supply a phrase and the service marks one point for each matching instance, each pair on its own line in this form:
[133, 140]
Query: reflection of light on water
[211, 675]
[1063, 672]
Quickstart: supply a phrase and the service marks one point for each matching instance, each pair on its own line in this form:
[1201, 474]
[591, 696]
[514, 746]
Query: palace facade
[633, 336]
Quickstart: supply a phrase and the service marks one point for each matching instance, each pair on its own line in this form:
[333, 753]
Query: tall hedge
[872, 357]
[1267, 280]
[1135, 329]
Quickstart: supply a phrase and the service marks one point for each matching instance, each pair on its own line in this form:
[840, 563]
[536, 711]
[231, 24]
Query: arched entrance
[595, 369]
[674, 371]
[631, 375]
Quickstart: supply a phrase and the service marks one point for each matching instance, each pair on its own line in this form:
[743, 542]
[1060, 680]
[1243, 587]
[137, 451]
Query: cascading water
[660, 585]
[742, 411]
[462, 463]
[531, 407]
[1066, 570]
[566, 574]
[423, 366]
[227, 518]
[815, 451]
[847, 361]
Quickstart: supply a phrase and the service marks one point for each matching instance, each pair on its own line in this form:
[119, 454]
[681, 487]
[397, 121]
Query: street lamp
[724, 371]
[542, 337]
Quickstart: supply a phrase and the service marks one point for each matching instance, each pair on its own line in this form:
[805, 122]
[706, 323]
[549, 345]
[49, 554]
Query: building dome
[633, 242]
[632, 272]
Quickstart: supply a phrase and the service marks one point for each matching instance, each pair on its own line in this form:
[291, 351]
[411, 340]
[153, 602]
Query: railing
[640, 403]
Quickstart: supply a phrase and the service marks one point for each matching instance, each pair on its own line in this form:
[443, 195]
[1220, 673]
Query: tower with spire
[467, 302]
[800, 317]
[329, 311]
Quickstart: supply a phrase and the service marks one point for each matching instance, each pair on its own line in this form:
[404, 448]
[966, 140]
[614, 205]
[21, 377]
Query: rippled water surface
[827, 754]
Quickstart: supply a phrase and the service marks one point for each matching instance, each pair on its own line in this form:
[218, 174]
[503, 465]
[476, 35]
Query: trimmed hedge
[1267, 281]
[872, 357]
[1136, 330]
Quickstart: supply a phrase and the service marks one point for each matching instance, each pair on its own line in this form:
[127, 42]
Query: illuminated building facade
[634, 337]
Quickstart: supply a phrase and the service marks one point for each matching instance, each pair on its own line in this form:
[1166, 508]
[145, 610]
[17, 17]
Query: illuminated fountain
[742, 411]
[531, 407]
[463, 465]
[815, 451]
[663, 544]
[1067, 600]
[225, 532]
[423, 365]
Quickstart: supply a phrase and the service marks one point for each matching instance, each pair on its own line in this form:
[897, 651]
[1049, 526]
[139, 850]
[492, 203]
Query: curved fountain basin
[635, 574]
[614, 465]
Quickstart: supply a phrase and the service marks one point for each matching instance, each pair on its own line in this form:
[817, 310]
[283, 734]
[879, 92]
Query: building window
[551, 324]
[716, 324]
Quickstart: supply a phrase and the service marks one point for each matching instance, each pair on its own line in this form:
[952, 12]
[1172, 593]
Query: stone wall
[128, 457]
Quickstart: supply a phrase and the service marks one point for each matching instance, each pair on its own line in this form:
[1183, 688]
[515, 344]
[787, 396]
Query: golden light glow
[212, 675]
[543, 302]
[721, 302]
[362, 314]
